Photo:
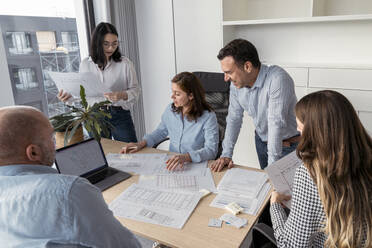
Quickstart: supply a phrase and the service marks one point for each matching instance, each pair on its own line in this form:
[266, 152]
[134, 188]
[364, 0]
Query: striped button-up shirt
[270, 102]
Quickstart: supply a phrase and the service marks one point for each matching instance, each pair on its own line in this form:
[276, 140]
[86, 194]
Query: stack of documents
[245, 187]
[152, 168]
[161, 196]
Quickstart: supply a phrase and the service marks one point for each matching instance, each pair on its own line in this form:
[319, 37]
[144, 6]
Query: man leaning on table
[39, 207]
[267, 94]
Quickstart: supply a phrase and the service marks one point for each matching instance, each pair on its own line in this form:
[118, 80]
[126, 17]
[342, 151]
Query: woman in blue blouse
[189, 122]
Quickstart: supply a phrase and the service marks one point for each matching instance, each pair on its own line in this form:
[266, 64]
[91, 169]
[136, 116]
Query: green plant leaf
[84, 102]
[94, 119]
[98, 129]
[61, 122]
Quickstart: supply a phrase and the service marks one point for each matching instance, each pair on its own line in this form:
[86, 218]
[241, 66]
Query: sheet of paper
[153, 164]
[162, 207]
[139, 163]
[281, 174]
[71, 81]
[190, 169]
[250, 205]
[179, 182]
[244, 182]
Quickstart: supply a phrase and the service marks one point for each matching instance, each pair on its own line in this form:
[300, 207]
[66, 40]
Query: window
[19, 43]
[39, 36]
[46, 41]
[70, 41]
[24, 78]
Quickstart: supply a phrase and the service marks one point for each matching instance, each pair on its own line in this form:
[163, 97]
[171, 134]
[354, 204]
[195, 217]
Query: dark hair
[190, 84]
[96, 44]
[241, 51]
[337, 151]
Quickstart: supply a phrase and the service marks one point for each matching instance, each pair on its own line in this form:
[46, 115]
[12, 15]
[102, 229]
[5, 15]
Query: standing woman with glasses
[117, 73]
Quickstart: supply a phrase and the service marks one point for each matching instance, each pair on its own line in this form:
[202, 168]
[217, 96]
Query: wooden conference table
[195, 233]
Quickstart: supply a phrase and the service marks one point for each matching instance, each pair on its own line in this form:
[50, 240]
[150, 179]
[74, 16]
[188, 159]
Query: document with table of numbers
[156, 206]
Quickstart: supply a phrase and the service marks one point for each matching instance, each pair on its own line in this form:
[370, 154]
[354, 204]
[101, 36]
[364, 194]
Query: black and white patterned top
[302, 228]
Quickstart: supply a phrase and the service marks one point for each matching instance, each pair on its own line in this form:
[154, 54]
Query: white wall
[198, 35]
[6, 92]
[157, 57]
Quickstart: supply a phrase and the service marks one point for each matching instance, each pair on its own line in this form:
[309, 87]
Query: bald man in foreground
[40, 208]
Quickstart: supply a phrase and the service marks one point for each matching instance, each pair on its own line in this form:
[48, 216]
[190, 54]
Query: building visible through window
[46, 41]
[34, 46]
[24, 78]
[19, 43]
[70, 41]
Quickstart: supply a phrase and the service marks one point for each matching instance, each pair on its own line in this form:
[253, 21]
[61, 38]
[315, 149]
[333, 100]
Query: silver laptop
[87, 159]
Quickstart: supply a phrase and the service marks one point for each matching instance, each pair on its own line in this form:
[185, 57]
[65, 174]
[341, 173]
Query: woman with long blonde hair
[332, 196]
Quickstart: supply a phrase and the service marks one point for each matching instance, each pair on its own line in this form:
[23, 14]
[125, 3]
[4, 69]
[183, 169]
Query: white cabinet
[241, 12]
[366, 119]
[341, 78]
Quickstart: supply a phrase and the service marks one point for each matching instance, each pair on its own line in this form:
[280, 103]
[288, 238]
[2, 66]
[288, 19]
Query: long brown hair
[190, 84]
[337, 151]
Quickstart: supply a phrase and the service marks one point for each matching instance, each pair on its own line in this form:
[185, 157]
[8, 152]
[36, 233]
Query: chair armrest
[157, 144]
[266, 231]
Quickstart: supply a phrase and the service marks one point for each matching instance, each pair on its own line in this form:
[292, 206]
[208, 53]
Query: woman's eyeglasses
[108, 44]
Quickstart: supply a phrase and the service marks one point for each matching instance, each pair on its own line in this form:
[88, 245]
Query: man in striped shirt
[267, 94]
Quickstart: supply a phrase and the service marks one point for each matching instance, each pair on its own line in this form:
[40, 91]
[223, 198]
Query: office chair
[263, 236]
[217, 95]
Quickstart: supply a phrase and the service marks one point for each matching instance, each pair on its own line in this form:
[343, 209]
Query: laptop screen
[81, 159]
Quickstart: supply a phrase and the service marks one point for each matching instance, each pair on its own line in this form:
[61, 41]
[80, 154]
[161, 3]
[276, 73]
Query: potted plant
[91, 117]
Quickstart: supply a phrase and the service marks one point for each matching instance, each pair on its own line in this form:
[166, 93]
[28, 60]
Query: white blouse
[117, 76]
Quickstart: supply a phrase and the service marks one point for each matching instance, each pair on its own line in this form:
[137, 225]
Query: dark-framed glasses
[110, 44]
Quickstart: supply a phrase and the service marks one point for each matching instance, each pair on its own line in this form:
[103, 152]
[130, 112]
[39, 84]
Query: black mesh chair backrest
[217, 95]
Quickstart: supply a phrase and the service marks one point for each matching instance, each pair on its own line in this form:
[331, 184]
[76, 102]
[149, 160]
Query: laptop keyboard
[101, 175]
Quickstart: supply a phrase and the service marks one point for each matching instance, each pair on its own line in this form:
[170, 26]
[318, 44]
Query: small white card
[215, 222]
[233, 220]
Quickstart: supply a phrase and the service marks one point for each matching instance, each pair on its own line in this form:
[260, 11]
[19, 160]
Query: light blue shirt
[270, 102]
[40, 208]
[198, 138]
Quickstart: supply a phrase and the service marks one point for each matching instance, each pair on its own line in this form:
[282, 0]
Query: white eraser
[234, 208]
